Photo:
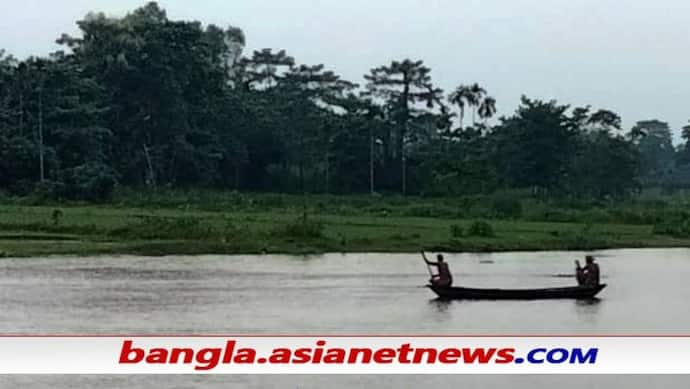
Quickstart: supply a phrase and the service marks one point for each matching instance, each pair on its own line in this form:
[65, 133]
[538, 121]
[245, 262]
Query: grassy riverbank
[229, 223]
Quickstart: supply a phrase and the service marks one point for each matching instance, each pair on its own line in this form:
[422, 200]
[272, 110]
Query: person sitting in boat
[443, 277]
[588, 275]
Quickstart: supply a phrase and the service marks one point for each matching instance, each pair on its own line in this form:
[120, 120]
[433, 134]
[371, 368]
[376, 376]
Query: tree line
[148, 102]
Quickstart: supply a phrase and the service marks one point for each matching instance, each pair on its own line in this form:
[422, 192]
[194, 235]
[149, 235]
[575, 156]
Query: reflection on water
[441, 305]
[588, 302]
[355, 293]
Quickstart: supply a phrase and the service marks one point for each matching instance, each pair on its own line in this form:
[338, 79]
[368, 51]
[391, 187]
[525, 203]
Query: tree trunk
[404, 175]
[301, 161]
[403, 131]
[237, 176]
[21, 113]
[151, 181]
[40, 133]
[327, 172]
[371, 161]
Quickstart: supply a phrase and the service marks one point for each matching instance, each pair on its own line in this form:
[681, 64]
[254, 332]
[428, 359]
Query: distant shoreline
[28, 254]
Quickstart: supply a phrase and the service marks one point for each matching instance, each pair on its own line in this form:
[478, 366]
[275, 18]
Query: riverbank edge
[86, 230]
[187, 248]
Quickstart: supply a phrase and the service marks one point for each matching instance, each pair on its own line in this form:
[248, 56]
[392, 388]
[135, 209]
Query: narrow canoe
[571, 292]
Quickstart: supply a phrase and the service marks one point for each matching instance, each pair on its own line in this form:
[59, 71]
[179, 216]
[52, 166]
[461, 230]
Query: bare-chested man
[443, 278]
[588, 275]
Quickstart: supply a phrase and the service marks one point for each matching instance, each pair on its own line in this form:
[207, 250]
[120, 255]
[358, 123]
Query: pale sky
[630, 56]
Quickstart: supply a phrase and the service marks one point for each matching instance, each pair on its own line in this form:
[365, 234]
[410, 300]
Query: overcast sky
[630, 56]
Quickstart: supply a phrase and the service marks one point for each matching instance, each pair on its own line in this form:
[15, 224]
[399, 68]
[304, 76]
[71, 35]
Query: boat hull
[573, 292]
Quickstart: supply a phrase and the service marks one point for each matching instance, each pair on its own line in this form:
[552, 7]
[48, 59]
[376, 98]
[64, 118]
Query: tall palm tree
[467, 96]
[487, 108]
[461, 96]
[477, 94]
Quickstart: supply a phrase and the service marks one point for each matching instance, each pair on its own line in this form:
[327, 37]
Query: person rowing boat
[589, 274]
[443, 277]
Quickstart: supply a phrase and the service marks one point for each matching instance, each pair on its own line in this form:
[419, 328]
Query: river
[648, 292]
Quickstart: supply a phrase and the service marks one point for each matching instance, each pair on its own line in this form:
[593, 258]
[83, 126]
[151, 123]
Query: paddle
[428, 268]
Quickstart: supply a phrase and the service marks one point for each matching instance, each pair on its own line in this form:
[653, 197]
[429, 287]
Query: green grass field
[275, 224]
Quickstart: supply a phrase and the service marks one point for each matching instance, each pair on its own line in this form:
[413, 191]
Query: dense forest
[146, 102]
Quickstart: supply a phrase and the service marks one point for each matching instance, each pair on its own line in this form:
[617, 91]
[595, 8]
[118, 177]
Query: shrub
[481, 228]
[629, 216]
[232, 230]
[56, 216]
[583, 239]
[596, 215]
[153, 227]
[404, 236]
[302, 227]
[507, 206]
[43, 193]
[22, 188]
[559, 216]
[480, 210]
[456, 231]
[269, 201]
[82, 229]
[91, 182]
[678, 227]
[429, 211]
[379, 211]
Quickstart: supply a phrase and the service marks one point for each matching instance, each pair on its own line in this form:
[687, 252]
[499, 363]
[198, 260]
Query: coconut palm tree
[461, 97]
[686, 133]
[477, 96]
[487, 108]
[467, 96]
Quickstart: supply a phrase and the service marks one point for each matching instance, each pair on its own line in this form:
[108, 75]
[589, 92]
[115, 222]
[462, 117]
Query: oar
[428, 268]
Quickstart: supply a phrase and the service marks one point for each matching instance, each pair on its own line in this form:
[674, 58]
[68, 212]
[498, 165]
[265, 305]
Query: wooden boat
[571, 292]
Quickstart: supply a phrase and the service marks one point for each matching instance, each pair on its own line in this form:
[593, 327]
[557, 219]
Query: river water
[337, 294]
